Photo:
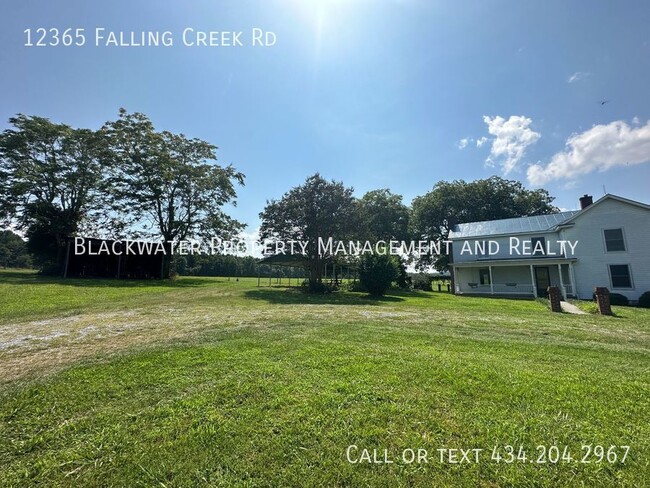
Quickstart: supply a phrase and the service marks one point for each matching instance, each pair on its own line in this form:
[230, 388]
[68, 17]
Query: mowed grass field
[211, 382]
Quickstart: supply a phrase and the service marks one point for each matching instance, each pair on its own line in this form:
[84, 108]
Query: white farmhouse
[606, 243]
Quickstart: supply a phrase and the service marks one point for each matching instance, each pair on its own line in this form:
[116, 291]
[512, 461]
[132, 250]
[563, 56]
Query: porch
[521, 278]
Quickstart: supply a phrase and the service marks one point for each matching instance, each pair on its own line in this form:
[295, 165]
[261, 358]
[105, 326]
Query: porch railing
[496, 288]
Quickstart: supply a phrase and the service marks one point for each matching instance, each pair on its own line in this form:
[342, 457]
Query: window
[484, 275]
[614, 240]
[620, 276]
[540, 243]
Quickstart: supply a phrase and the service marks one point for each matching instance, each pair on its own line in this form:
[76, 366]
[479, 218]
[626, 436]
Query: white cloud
[253, 235]
[249, 244]
[462, 144]
[577, 76]
[466, 141]
[598, 149]
[636, 121]
[570, 185]
[512, 138]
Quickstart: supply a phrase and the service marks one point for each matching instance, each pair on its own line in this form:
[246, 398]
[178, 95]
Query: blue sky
[397, 94]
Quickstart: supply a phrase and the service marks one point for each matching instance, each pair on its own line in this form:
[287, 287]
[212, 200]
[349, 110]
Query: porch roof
[535, 261]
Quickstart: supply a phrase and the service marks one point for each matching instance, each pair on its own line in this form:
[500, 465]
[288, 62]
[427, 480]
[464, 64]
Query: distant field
[205, 381]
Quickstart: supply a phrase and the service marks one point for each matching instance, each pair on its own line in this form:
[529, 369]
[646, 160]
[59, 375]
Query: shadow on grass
[30, 278]
[287, 296]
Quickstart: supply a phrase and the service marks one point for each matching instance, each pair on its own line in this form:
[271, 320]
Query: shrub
[352, 286]
[317, 287]
[402, 280]
[617, 299]
[644, 300]
[422, 281]
[377, 272]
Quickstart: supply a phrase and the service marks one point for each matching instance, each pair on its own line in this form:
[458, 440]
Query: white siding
[591, 269]
[511, 274]
[504, 247]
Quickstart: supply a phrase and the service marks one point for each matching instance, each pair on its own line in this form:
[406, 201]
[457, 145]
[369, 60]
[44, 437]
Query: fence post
[555, 297]
[603, 300]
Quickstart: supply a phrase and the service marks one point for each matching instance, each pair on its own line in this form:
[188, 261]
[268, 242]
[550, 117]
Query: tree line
[231, 265]
[126, 179]
[129, 180]
[322, 208]
[13, 251]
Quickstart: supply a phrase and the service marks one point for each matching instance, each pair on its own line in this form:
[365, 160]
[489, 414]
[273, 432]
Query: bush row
[622, 300]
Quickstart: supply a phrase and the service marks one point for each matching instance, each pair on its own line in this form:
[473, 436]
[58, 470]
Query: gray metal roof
[538, 223]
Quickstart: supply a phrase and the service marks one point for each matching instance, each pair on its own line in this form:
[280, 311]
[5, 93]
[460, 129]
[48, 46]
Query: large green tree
[457, 202]
[51, 181]
[13, 251]
[383, 216]
[167, 185]
[316, 209]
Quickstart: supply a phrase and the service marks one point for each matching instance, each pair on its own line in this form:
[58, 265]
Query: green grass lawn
[206, 381]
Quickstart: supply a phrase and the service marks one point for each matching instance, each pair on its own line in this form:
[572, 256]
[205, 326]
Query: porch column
[67, 259]
[454, 281]
[559, 271]
[491, 282]
[572, 279]
[532, 280]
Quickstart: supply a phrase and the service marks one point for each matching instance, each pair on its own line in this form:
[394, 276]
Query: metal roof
[537, 223]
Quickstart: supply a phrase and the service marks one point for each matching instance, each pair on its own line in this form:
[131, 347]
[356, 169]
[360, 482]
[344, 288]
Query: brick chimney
[585, 201]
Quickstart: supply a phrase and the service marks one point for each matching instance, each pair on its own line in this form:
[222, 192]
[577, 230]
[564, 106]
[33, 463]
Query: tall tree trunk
[315, 274]
[166, 261]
